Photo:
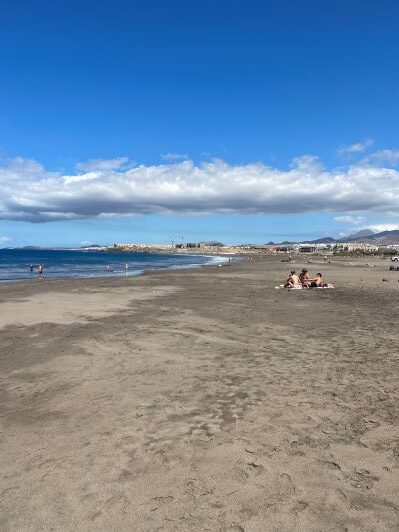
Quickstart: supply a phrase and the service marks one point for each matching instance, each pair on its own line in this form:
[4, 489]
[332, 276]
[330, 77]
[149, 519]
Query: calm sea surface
[15, 264]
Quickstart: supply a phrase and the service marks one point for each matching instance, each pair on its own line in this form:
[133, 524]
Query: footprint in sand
[363, 479]
[299, 506]
[234, 527]
[285, 485]
[395, 452]
[247, 470]
[117, 503]
[164, 499]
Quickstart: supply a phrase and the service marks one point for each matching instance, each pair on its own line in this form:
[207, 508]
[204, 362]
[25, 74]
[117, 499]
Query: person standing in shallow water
[40, 271]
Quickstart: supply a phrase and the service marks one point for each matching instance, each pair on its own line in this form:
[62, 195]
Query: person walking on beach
[40, 271]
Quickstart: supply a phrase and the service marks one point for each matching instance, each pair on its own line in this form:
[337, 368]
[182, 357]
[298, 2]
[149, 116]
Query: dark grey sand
[201, 400]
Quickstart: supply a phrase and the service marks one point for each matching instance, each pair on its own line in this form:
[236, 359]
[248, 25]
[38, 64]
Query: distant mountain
[325, 240]
[362, 233]
[384, 238]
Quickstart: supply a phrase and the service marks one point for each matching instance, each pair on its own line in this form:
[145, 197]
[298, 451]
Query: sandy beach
[201, 400]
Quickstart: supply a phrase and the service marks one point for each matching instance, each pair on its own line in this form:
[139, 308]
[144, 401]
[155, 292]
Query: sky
[160, 121]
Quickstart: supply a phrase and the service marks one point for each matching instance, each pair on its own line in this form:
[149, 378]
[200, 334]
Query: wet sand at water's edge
[201, 400]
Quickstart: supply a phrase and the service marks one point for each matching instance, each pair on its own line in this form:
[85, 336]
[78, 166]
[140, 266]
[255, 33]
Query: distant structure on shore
[364, 241]
[214, 247]
[203, 247]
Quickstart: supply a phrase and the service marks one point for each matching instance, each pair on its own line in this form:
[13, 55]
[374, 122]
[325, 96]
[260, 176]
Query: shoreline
[131, 272]
[237, 258]
[201, 399]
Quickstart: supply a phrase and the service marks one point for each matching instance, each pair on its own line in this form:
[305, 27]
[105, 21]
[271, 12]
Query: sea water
[15, 264]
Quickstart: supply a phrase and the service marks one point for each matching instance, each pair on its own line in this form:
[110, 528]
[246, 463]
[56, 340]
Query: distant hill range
[384, 238]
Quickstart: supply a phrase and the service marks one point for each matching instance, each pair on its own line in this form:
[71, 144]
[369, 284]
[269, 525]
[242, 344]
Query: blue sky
[169, 83]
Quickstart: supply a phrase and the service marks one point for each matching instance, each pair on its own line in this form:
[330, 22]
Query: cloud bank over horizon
[117, 187]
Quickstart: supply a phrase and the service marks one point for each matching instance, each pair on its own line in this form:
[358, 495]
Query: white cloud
[350, 219]
[102, 164]
[382, 157]
[81, 177]
[170, 156]
[307, 164]
[378, 228]
[353, 149]
[5, 239]
[29, 192]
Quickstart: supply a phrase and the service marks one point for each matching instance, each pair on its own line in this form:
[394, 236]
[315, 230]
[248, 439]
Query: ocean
[15, 264]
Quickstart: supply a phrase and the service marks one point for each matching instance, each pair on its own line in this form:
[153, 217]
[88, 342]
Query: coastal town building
[217, 247]
[356, 246]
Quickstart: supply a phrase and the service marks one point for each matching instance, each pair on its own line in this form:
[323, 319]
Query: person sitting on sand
[304, 278]
[292, 280]
[318, 281]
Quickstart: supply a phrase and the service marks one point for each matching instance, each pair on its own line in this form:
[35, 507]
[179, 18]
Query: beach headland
[201, 400]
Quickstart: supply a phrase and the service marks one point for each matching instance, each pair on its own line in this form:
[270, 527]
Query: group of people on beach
[304, 280]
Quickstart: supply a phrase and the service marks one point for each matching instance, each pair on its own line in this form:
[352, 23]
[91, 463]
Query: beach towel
[329, 285]
[289, 287]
